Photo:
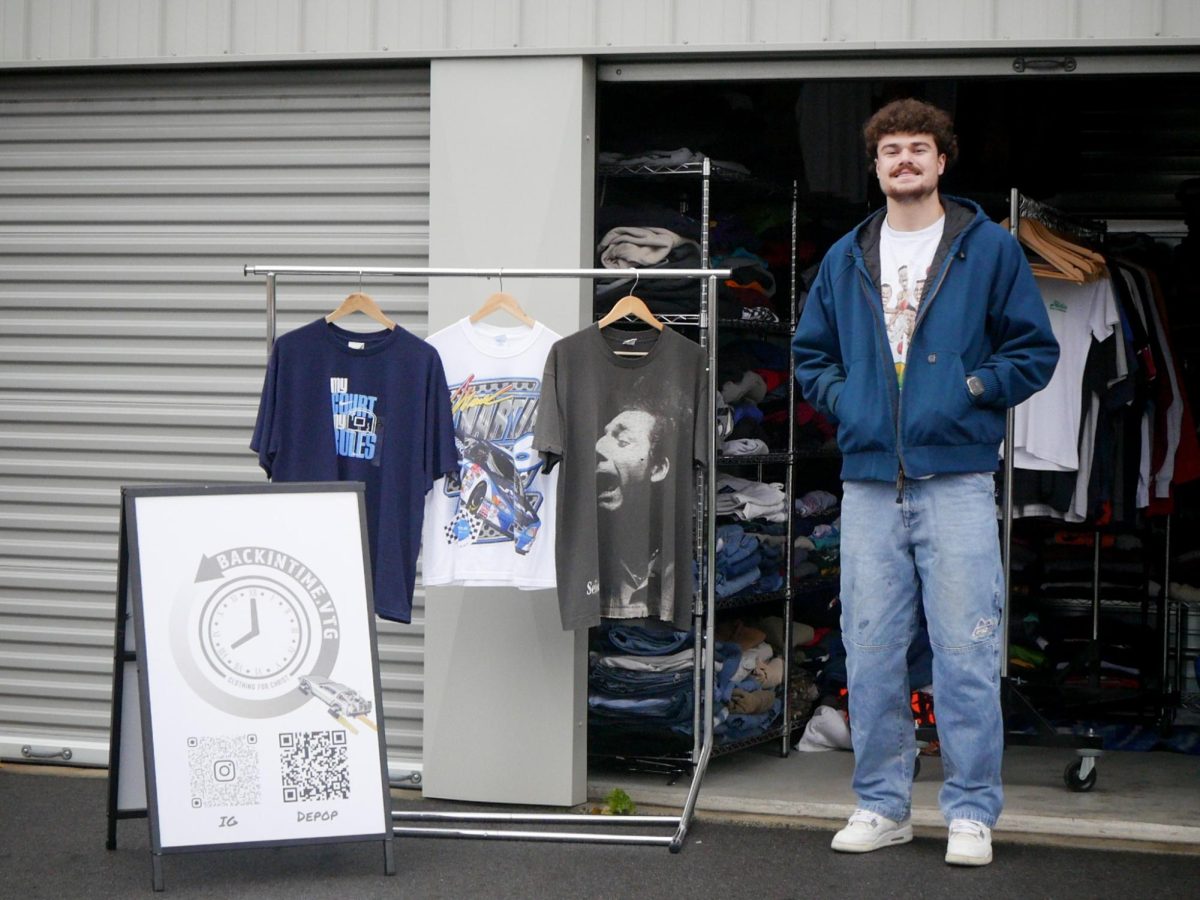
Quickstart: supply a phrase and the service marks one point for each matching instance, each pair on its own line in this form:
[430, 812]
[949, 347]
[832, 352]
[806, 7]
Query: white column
[511, 185]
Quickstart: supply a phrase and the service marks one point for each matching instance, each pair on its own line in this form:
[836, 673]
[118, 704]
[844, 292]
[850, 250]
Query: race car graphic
[342, 701]
[496, 489]
[493, 490]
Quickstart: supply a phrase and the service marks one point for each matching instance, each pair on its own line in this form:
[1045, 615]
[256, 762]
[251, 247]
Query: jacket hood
[961, 215]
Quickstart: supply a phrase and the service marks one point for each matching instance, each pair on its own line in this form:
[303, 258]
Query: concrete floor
[1148, 798]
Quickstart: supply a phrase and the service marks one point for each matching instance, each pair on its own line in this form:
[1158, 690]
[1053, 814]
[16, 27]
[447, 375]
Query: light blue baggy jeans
[939, 545]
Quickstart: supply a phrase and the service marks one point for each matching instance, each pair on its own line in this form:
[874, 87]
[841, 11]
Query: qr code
[224, 771]
[314, 766]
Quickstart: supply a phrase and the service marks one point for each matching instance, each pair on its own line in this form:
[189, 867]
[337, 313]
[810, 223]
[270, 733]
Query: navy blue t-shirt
[340, 405]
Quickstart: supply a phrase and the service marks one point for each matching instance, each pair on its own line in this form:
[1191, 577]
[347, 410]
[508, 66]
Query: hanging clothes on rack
[492, 522]
[1134, 441]
[1047, 426]
[700, 620]
[340, 405]
[627, 432]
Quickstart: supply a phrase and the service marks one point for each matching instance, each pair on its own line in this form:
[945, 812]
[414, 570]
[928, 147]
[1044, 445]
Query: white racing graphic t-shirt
[904, 261]
[492, 524]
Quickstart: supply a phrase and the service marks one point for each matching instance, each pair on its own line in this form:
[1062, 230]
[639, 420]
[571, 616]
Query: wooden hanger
[501, 301]
[1066, 243]
[1087, 260]
[1066, 265]
[363, 303]
[630, 305]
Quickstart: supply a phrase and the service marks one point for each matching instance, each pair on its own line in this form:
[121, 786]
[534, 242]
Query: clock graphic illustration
[254, 628]
[252, 623]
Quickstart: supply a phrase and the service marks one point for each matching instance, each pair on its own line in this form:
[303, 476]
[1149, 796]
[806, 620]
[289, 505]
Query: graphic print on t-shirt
[900, 303]
[493, 428]
[356, 425]
[632, 463]
[905, 258]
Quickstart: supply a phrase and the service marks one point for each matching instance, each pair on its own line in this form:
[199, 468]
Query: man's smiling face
[908, 166]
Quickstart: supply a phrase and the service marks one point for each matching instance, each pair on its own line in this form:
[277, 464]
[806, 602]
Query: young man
[923, 326]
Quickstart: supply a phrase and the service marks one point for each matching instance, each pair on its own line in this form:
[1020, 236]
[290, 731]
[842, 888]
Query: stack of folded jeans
[747, 562]
[738, 558]
[640, 694]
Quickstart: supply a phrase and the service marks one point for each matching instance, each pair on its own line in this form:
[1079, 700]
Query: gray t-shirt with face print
[627, 432]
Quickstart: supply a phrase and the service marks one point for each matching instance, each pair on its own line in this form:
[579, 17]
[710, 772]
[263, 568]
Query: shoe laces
[968, 827]
[863, 817]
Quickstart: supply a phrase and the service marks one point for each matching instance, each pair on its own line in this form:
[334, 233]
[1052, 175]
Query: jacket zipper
[878, 307]
[925, 302]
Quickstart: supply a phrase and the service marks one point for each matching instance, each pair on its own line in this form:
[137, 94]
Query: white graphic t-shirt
[904, 261]
[492, 524]
[1046, 426]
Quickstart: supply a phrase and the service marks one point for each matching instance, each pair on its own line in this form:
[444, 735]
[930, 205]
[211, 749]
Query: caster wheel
[1077, 783]
[916, 768]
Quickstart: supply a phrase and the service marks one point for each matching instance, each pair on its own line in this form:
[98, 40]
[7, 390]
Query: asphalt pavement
[53, 826]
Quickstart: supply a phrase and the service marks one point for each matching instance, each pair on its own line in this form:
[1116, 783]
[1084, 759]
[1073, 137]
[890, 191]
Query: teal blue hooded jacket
[983, 316]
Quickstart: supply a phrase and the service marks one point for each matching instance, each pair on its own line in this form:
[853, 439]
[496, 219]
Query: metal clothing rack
[710, 173]
[1094, 231]
[1080, 774]
[702, 609]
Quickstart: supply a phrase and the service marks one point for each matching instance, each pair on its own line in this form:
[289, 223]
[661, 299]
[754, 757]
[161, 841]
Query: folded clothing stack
[745, 499]
[640, 688]
[649, 237]
[749, 682]
[747, 562]
[816, 551]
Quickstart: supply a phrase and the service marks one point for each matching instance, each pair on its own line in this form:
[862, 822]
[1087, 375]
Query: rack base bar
[560, 836]
[1060, 741]
[533, 818]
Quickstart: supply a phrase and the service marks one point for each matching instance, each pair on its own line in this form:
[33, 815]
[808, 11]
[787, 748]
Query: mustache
[905, 168]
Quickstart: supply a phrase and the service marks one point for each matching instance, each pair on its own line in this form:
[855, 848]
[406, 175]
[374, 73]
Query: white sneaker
[868, 831]
[970, 843]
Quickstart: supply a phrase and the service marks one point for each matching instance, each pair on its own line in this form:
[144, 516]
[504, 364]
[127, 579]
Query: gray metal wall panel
[79, 31]
[132, 347]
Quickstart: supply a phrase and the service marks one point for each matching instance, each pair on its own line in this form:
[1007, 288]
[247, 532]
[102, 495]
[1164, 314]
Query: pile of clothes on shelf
[754, 378]
[744, 499]
[745, 686]
[749, 679]
[750, 558]
[754, 242]
[816, 549]
[820, 653]
[751, 286]
[641, 697]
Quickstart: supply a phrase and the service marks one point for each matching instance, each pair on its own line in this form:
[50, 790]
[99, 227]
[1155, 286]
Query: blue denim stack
[640, 694]
[745, 563]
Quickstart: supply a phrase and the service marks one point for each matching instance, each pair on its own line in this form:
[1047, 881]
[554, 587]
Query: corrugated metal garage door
[131, 346]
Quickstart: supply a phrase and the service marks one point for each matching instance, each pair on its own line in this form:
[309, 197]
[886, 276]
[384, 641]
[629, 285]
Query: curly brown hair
[911, 116]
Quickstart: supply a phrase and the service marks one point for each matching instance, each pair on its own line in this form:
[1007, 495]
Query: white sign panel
[261, 702]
